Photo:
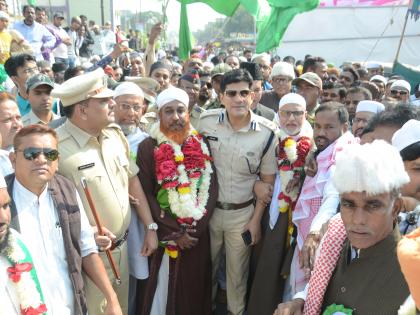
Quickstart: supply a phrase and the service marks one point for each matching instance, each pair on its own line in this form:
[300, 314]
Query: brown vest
[63, 194]
[371, 284]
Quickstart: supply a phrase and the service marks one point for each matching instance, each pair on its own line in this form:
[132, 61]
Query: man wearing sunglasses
[94, 148]
[400, 90]
[47, 211]
[243, 148]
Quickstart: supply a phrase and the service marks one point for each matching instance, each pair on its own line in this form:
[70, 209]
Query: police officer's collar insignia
[221, 117]
[253, 125]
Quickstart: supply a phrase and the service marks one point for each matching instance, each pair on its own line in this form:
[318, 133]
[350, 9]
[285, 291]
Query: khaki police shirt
[195, 115]
[32, 119]
[237, 154]
[105, 163]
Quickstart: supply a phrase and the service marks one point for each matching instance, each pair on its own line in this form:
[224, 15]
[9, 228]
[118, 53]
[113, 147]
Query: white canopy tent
[353, 34]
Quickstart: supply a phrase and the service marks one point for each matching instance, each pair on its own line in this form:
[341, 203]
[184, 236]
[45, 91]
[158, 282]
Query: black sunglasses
[232, 93]
[31, 154]
[395, 92]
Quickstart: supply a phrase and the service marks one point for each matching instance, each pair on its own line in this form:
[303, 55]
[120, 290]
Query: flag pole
[402, 36]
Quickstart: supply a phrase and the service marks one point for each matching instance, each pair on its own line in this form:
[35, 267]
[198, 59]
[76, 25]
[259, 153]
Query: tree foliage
[241, 22]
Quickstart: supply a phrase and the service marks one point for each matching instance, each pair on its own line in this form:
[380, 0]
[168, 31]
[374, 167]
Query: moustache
[321, 138]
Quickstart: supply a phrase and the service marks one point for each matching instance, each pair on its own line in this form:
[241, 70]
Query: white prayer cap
[401, 84]
[128, 88]
[242, 59]
[370, 106]
[261, 57]
[2, 182]
[373, 65]
[292, 98]
[407, 135]
[374, 168]
[172, 94]
[380, 78]
[4, 16]
[283, 68]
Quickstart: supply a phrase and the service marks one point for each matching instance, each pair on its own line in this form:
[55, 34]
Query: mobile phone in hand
[246, 236]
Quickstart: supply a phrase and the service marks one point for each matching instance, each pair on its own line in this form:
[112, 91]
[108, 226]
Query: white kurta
[137, 264]
[41, 232]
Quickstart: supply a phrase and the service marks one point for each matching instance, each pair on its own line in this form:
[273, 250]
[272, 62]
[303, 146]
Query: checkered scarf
[330, 249]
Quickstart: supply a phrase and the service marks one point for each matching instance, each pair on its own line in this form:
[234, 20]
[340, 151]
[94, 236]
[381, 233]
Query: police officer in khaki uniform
[94, 148]
[243, 147]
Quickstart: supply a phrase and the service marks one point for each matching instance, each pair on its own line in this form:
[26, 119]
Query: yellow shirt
[5, 42]
[105, 163]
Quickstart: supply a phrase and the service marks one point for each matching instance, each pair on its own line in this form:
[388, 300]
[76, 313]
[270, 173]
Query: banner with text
[363, 3]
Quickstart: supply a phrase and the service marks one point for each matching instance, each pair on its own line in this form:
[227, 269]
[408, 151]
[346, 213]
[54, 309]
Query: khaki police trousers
[96, 301]
[226, 227]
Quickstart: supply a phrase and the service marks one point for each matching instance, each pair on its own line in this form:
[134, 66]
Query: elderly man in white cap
[380, 81]
[94, 149]
[281, 78]
[129, 99]
[269, 279]
[400, 90]
[365, 110]
[356, 270]
[181, 187]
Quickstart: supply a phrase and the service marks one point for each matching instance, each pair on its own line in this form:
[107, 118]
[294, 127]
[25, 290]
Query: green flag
[184, 34]
[273, 27]
[225, 7]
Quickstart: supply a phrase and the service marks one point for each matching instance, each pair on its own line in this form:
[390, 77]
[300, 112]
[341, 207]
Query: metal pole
[401, 38]
[102, 13]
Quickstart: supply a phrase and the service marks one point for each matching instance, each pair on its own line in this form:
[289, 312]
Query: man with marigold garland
[181, 187]
[272, 258]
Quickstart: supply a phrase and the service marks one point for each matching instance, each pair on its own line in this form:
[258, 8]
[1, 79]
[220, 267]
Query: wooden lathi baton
[100, 230]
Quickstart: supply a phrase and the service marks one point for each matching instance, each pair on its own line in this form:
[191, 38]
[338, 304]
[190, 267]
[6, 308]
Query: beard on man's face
[4, 240]
[177, 131]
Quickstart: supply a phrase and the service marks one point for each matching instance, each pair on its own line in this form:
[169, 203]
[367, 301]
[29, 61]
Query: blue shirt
[25, 107]
[267, 86]
[37, 35]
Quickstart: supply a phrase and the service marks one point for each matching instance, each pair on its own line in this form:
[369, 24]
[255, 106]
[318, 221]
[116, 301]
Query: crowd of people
[135, 183]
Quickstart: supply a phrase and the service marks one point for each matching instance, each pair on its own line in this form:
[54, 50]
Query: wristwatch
[152, 226]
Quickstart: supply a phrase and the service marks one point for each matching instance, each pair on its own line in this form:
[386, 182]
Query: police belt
[120, 241]
[233, 206]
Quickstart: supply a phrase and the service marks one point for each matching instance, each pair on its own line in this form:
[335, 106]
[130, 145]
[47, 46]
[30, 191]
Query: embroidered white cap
[401, 84]
[407, 135]
[370, 106]
[379, 78]
[128, 88]
[283, 68]
[172, 94]
[363, 168]
[292, 98]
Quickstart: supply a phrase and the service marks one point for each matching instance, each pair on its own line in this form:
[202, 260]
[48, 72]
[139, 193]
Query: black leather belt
[233, 206]
[120, 241]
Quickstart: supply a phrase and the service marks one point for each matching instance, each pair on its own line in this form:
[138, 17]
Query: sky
[196, 18]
